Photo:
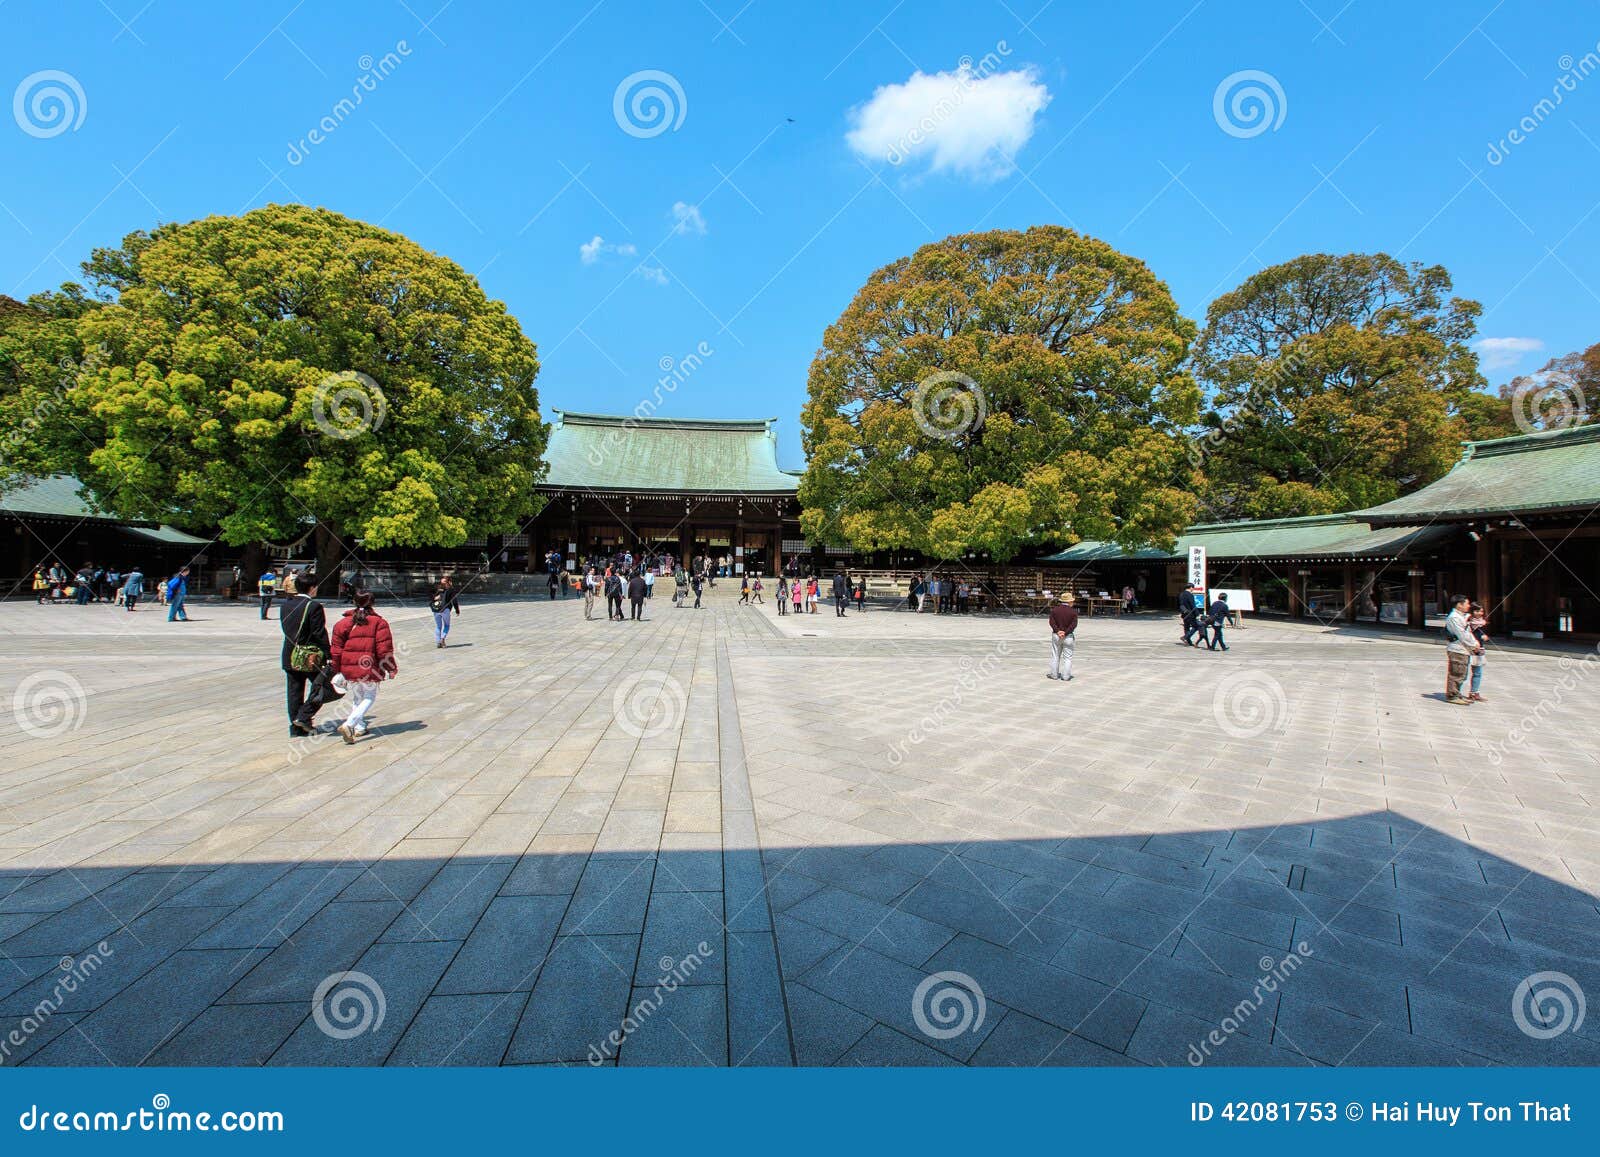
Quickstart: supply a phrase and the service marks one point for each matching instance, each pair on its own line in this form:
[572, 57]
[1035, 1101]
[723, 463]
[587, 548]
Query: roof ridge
[584, 418]
[1539, 440]
[1295, 520]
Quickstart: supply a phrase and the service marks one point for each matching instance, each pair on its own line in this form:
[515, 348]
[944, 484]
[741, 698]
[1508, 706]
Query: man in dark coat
[303, 620]
[637, 589]
[841, 593]
[614, 596]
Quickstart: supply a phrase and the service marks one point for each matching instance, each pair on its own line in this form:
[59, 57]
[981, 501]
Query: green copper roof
[53, 497]
[599, 452]
[1559, 470]
[57, 497]
[1337, 536]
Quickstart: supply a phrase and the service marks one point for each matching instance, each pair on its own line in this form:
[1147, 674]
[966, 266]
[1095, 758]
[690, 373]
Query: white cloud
[1502, 353]
[960, 122]
[688, 218]
[597, 246]
[653, 273]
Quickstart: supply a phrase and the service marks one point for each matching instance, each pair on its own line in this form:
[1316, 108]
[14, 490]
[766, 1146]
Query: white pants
[1061, 655]
[361, 697]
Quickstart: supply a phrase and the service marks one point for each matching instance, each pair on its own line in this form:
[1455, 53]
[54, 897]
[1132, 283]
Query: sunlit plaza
[725, 837]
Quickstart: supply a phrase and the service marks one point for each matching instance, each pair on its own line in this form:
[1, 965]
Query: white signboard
[1238, 600]
[1197, 567]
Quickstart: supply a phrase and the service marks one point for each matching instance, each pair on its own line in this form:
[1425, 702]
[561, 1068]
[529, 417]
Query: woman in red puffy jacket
[363, 652]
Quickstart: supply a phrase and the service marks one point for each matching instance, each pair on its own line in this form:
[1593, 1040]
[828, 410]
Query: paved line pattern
[724, 837]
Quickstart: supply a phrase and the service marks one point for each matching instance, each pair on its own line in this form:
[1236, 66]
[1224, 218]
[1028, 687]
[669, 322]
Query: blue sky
[794, 159]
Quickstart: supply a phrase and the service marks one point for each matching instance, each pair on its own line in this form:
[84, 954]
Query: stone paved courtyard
[720, 836]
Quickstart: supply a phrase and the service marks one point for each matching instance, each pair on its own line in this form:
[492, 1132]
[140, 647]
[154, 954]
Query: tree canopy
[1001, 389]
[1564, 392]
[282, 370]
[1336, 382]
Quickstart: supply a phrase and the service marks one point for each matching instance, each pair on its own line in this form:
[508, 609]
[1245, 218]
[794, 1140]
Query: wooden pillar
[1349, 615]
[1416, 613]
[1485, 573]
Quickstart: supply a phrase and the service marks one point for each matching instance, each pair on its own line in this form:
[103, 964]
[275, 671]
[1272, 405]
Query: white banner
[1197, 567]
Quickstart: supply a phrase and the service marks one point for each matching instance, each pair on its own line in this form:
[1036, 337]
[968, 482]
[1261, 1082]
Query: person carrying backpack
[266, 588]
[177, 593]
[441, 604]
[362, 652]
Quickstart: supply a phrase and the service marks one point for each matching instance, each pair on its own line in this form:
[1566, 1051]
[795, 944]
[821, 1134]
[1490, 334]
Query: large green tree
[1336, 382]
[1001, 389]
[286, 370]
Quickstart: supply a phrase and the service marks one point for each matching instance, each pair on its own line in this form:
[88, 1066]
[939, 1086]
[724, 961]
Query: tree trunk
[332, 550]
[251, 563]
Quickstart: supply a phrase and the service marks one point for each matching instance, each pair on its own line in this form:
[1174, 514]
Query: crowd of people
[54, 584]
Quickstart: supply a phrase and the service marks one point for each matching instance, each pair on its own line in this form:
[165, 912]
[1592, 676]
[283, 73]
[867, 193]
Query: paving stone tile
[1020, 1040]
[683, 937]
[450, 905]
[758, 1030]
[233, 1034]
[684, 1027]
[331, 941]
[884, 1047]
[902, 935]
[151, 1011]
[507, 947]
[460, 1030]
[611, 898]
[580, 999]
[403, 973]
[823, 1028]
[886, 990]
[1086, 1007]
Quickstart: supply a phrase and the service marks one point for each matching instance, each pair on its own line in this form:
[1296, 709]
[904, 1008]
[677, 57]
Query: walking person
[266, 588]
[861, 594]
[591, 583]
[1063, 636]
[841, 593]
[614, 597]
[304, 625]
[797, 595]
[637, 590]
[744, 589]
[698, 583]
[649, 583]
[177, 594]
[755, 590]
[1478, 621]
[552, 581]
[1461, 645]
[680, 585]
[1217, 616]
[783, 595]
[362, 650]
[132, 587]
[443, 602]
[1191, 608]
[41, 586]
